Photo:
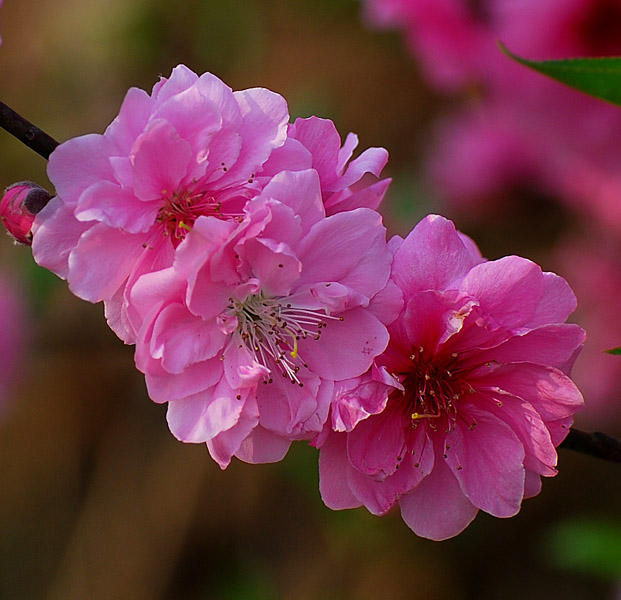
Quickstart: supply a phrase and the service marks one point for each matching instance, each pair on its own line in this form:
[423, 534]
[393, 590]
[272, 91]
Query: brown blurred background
[97, 499]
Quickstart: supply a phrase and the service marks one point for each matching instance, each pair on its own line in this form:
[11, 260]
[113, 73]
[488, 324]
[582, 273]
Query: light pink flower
[191, 148]
[249, 331]
[128, 197]
[481, 396]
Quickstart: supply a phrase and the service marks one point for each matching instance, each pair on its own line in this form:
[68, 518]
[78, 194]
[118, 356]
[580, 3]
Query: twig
[26, 132]
[595, 444]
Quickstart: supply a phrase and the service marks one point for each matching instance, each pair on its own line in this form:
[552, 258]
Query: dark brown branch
[595, 444]
[26, 132]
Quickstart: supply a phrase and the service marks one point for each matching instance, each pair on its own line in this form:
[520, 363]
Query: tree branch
[595, 444]
[26, 132]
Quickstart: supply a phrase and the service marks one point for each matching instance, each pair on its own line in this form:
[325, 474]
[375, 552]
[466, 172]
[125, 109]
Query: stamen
[271, 330]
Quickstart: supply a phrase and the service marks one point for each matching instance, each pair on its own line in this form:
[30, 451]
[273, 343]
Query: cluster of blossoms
[246, 260]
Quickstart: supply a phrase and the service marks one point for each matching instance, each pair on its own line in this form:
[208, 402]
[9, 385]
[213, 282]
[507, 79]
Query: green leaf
[599, 77]
[614, 351]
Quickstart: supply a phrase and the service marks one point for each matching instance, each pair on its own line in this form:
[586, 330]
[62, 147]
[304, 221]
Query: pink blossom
[193, 147]
[248, 333]
[128, 197]
[480, 397]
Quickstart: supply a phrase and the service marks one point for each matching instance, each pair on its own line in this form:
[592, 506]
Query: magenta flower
[246, 335]
[480, 396]
[128, 197]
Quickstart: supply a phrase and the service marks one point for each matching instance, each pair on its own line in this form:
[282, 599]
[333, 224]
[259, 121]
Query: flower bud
[18, 207]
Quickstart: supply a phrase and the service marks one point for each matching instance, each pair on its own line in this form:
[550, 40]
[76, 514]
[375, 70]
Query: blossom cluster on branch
[245, 258]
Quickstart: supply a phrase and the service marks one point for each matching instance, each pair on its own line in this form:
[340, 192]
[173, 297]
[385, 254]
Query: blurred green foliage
[589, 546]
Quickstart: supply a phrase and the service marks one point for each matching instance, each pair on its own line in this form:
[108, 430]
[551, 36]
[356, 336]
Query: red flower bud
[18, 207]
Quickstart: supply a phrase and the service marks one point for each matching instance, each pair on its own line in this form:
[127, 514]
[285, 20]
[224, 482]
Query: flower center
[433, 389]
[271, 329]
[182, 208]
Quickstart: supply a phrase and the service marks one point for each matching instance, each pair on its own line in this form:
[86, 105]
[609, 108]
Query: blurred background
[98, 500]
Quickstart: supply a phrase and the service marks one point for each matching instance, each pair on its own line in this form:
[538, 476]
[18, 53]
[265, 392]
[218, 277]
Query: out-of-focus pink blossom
[480, 397]
[18, 207]
[13, 335]
[193, 147]
[451, 40]
[568, 140]
[249, 331]
[591, 265]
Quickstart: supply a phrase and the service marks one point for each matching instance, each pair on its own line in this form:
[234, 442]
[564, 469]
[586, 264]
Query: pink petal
[431, 257]
[333, 467]
[377, 445]
[349, 248]
[78, 163]
[132, 119]
[437, 508]
[556, 304]
[372, 160]
[195, 379]
[193, 116]
[262, 446]
[274, 264]
[487, 460]
[203, 416]
[554, 345]
[324, 143]
[346, 348]
[532, 484]
[547, 389]
[56, 232]
[367, 197]
[265, 117]
[380, 496]
[291, 411]
[508, 289]
[116, 207]
[161, 161]
[101, 261]
[180, 79]
[224, 445]
[180, 339]
[524, 420]
[358, 398]
[301, 192]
